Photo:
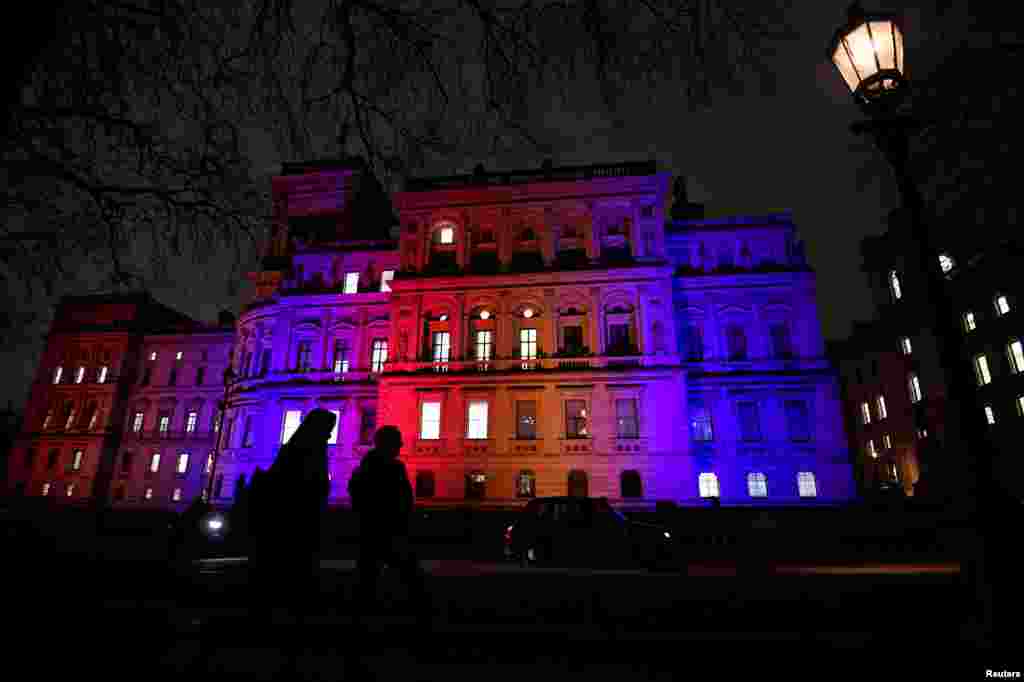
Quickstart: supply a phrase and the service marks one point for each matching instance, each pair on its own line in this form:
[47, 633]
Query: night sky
[751, 153]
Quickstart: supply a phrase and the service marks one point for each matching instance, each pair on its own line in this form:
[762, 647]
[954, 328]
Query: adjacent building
[532, 333]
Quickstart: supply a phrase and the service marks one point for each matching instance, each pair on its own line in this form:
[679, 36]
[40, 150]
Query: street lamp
[868, 52]
[229, 376]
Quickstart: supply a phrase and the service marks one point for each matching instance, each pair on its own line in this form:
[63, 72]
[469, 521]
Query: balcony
[590, 363]
[526, 446]
[478, 446]
[316, 376]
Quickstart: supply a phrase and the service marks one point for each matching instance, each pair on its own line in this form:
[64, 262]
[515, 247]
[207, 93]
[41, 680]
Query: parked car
[586, 531]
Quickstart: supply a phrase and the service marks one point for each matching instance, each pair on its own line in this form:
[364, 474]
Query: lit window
[385, 280]
[626, 425]
[905, 345]
[1015, 351]
[484, 344]
[946, 262]
[152, 356]
[48, 421]
[757, 484]
[871, 449]
[880, 406]
[304, 356]
[182, 467]
[887, 441]
[701, 428]
[165, 423]
[430, 420]
[865, 413]
[914, 385]
[477, 426]
[46, 489]
[922, 434]
[76, 461]
[209, 464]
[528, 344]
[70, 490]
[442, 346]
[526, 484]
[101, 378]
[380, 355]
[71, 418]
[190, 424]
[969, 323]
[93, 416]
[981, 370]
[1020, 405]
[79, 375]
[1002, 305]
[708, 485]
[576, 419]
[154, 462]
[805, 483]
[894, 285]
[176, 496]
[990, 415]
[292, 419]
[333, 440]
[57, 373]
[149, 493]
[341, 363]
[137, 422]
[351, 282]
[446, 236]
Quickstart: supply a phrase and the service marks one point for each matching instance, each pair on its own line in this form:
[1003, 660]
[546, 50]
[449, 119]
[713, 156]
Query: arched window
[424, 484]
[526, 484]
[578, 484]
[757, 484]
[708, 485]
[736, 342]
[630, 484]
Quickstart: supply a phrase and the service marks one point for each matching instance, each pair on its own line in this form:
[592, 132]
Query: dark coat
[381, 494]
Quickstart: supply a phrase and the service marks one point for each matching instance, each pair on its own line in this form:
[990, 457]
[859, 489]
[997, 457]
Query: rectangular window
[154, 463]
[865, 413]
[905, 346]
[798, 421]
[576, 419]
[341, 361]
[176, 496]
[694, 344]
[626, 424]
[190, 423]
[173, 378]
[736, 342]
[477, 422]
[782, 346]
[137, 422]
[484, 345]
[101, 378]
[209, 464]
[70, 417]
[750, 422]
[57, 373]
[1002, 305]
[990, 415]
[870, 448]
[76, 460]
[380, 355]
[528, 344]
[165, 423]
[1015, 351]
[442, 346]
[618, 336]
[385, 280]
[701, 428]
[880, 407]
[351, 282]
[1020, 405]
[981, 370]
[914, 385]
[708, 485]
[757, 484]
[430, 420]
[526, 419]
[79, 375]
[304, 356]
[46, 489]
[247, 434]
[572, 338]
[367, 424]
[806, 484]
[200, 375]
[148, 494]
[182, 466]
[292, 419]
[969, 323]
[887, 441]
[333, 440]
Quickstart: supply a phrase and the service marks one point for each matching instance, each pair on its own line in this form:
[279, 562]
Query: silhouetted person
[382, 496]
[288, 505]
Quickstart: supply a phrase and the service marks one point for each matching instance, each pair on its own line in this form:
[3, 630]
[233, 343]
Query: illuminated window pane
[380, 355]
[526, 484]
[806, 484]
[1002, 305]
[969, 323]
[905, 345]
[757, 484]
[70, 490]
[1015, 351]
[447, 235]
[351, 282]
[385, 280]
[990, 415]
[190, 424]
[946, 262]
[152, 356]
[880, 407]
[154, 462]
[76, 460]
[176, 496]
[209, 463]
[341, 360]
[865, 413]
[442, 346]
[477, 426]
[894, 285]
[292, 419]
[576, 419]
[1020, 405]
[79, 375]
[981, 370]
[333, 440]
[887, 441]
[871, 449]
[914, 385]
[182, 466]
[701, 428]
[528, 344]
[57, 373]
[46, 489]
[165, 423]
[708, 485]
[430, 420]
[484, 345]
[149, 494]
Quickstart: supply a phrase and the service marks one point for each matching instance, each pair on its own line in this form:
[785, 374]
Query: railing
[177, 434]
[311, 375]
[563, 173]
[530, 365]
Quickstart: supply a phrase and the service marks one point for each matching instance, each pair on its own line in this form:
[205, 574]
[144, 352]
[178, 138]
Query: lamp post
[868, 53]
[229, 376]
